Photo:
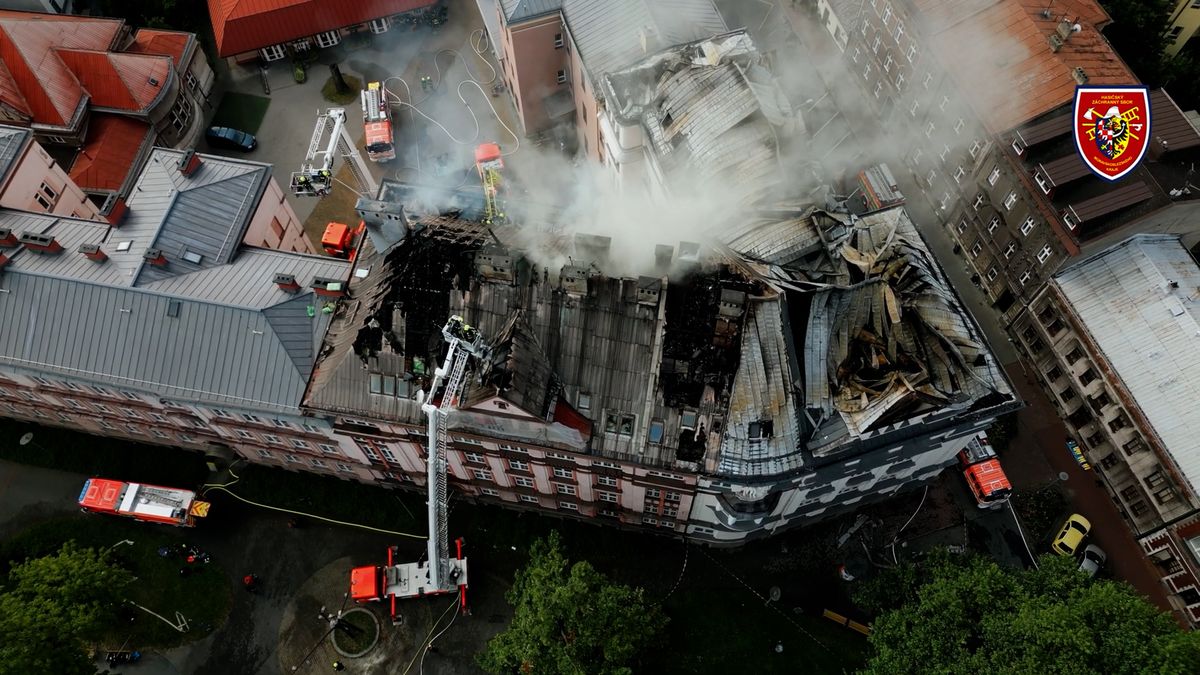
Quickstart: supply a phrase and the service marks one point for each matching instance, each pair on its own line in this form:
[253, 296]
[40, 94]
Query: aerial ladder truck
[315, 177]
[438, 573]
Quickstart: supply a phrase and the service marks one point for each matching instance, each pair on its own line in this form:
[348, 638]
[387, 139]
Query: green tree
[570, 619]
[51, 605]
[972, 616]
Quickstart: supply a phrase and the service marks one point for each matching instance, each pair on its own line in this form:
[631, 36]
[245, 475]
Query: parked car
[1093, 560]
[1070, 537]
[230, 139]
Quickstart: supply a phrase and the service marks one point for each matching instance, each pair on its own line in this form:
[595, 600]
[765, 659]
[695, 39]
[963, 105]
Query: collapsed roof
[802, 336]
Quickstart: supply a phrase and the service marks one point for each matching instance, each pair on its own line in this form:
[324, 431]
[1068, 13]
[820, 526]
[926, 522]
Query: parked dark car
[231, 139]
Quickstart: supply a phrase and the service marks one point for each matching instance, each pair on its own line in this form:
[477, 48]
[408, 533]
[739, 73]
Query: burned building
[788, 369]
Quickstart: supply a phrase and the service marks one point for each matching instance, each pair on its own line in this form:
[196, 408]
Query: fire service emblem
[1112, 127]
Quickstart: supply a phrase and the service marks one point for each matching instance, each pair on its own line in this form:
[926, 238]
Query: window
[561, 78]
[473, 457]
[569, 506]
[297, 443]
[993, 224]
[327, 449]
[913, 110]
[867, 71]
[911, 55]
[131, 428]
[1044, 254]
[266, 454]
[653, 493]
[1138, 508]
[518, 465]
[1134, 446]
[607, 496]
[975, 147]
[489, 492]
[1054, 328]
[272, 438]
[878, 88]
[529, 499]
[979, 200]
[159, 434]
[57, 139]
[656, 431]
[379, 26]
[994, 175]
[928, 79]
[480, 474]
[328, 38]
[1074, 355]
[887, 64]
[49, 193]
[1054, 374]
[899, 32]
[344, 467]
[916, 156]
[1042, 181]
[1087, 377]
[376, 383]
[887, 13]
[1067, 394]
[1025, 277]
[1070, 220]
[1027, 227]
[388, 454]
[899, 80]
[181, 114]
[1010, 200]
[292, 458]
[251, 418]
[369, 451]
[72, 403]
[272, 53]
[502, 446]
[311, 429]
[585, 401]
[523, 481]
[564, 489]
[42, 202]
[857, 53]
[318, 463]
[560, 472]
[558, 41]
[992, 273]
[102, 408]
[962, 226]
[958, 174]
[945, 151]
[1101, 401]
[958, 126]
[192, 82]
[1018, 145]
[218, 412]
[929, 130]
[606, 480]
[761, 430]
[875, 44]
[242, 433]
[929, 177]
[1118, 424]
[976, 250]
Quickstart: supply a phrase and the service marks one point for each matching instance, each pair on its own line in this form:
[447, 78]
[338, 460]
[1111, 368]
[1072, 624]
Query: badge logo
[1112, 128]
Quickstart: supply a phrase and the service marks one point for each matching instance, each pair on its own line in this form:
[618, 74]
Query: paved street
[841, 124]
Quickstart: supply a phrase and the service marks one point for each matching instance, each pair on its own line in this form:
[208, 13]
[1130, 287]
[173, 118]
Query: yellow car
[1071, 536]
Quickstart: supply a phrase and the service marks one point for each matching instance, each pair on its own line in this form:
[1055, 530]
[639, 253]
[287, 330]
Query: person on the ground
[339, 666]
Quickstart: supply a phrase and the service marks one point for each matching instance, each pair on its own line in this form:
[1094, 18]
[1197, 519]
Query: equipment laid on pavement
[438, 573]
[377, 123]
[139, 501]
[316, 179]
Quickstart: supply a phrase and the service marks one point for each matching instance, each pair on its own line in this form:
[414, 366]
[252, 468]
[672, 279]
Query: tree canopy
[570, 619]
[51, 605]
[967, 615]
[1139, 33]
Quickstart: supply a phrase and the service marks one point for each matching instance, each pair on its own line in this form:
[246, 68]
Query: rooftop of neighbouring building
[241, 26]
[169, 301]
[984, 42]
[613, 34]
[794, 338]
[1139, 303]
[110, 150]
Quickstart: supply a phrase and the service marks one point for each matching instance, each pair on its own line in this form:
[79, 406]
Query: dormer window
[761, 430]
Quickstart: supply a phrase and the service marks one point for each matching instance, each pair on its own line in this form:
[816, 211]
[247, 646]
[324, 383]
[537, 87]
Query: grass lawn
[55, 448]
[244, 112]
[203, 597]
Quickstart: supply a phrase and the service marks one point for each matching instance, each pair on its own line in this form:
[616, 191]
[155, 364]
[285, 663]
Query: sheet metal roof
[520, 10]
[1147, 331]
[171, 43]
[220, 331]
[12, 144]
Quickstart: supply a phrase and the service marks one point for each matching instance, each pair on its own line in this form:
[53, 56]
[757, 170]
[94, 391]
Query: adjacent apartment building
[999, 162]
[31, 180]
[1185, 23]
[248, 30]
[99, 95]
[1119, 362]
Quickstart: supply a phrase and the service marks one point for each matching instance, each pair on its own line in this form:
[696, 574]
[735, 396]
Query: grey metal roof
[12, 144]
[1147, 330]
[520, 10]
[609, 33]
[220, 332]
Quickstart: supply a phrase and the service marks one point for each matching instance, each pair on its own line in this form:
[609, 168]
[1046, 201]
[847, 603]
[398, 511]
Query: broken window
[627, 423]
[761, 430]
[1088, 377]
[1055, 327]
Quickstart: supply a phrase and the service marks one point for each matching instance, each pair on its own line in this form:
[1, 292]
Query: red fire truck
[984, 474]
[139, 501]
[377, 123]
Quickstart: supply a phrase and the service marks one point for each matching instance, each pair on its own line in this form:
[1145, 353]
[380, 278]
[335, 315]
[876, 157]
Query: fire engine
[438, 573]
[377, 123]
[149, 503]
[984, 474]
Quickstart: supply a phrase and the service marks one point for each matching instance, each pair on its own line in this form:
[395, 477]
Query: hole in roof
[124, 245]
[153, 82]
[192, 257]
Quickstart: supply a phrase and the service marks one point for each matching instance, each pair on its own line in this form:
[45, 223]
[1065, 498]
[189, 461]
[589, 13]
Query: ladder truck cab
[340, 239]
[438, 573]
[148, 503]
[377, 123]
[489, 162]
[980, 466]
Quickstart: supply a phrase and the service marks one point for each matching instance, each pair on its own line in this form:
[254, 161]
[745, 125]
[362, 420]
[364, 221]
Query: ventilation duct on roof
[92, 252]
[1080, 76]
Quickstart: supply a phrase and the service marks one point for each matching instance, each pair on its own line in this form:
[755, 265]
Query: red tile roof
[112, 145]
[162, 42]
[998, 52]
[123, 81]
[246, 25]
[48, 90]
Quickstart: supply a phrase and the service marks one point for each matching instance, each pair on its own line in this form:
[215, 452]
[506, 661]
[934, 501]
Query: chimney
[1080, 76]
[116, 216]
[155, 257]
[93, 252]
[662, 258]
[1056, 42]
[574, 280]
[189, 163]
[7, 238]
[287, 282]
[41, 243]
[329, 288]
